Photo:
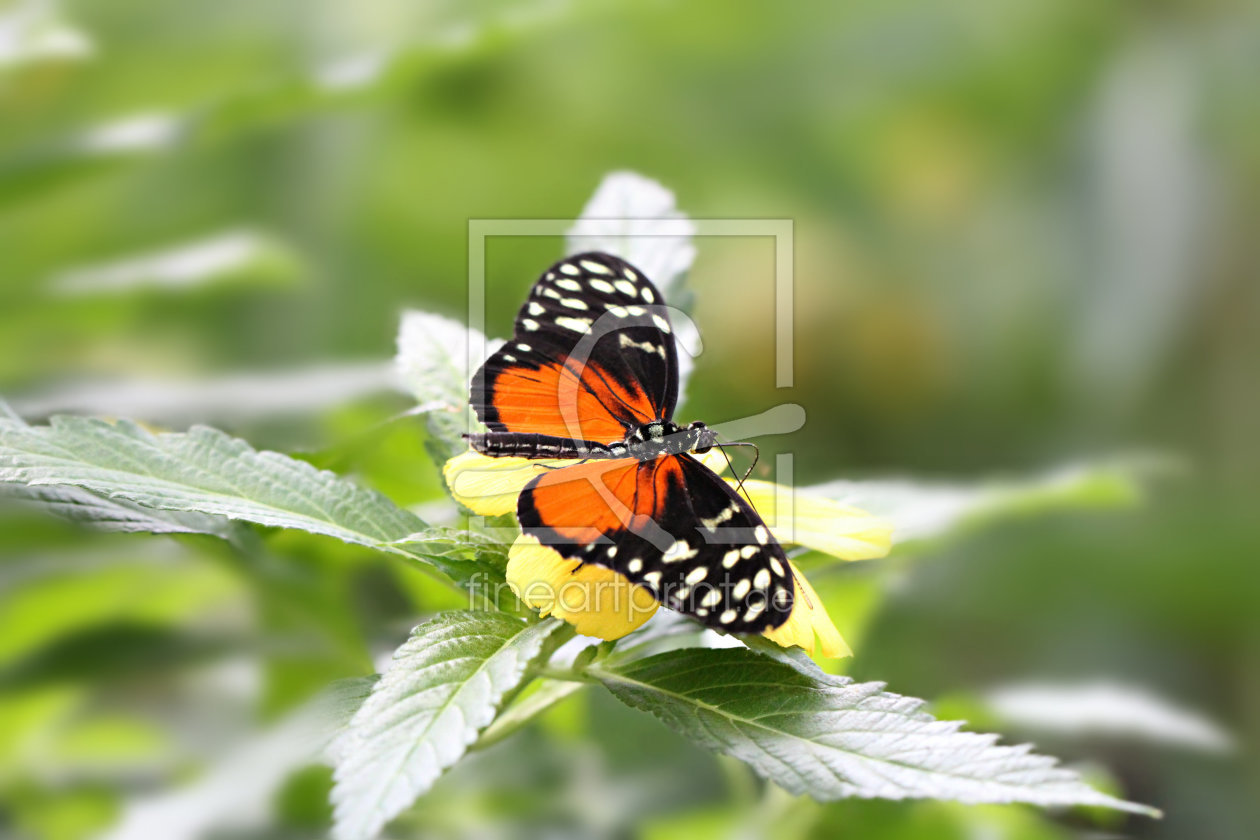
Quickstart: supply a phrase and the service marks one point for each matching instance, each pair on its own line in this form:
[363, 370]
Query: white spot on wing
[762, 580]
[727, 513]
[730, 559]
[626, 288]
[647, 295]
[529, 324]
[569, 269]
[661, 322]
[680, 550]
[535, 308]
[595, 268]
[578, 325]
[762, 535]
[568, 285]
[646, 346]
[602, 286]
[696, 575]
[741, 589]
[727, 617]
[573, 303]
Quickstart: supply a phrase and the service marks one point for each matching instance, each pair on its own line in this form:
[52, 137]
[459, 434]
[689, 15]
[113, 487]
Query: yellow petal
[714, 460]
[597, 601]
[808, 618]
[489, 486]
[821, 524]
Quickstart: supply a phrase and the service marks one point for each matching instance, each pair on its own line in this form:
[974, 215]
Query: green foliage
[810, 732]
[832, 738]
[206, 476]
[442, 688]
[115, 513]
[433, 360]
[202, 471]
[1023, 231]
[467, 680]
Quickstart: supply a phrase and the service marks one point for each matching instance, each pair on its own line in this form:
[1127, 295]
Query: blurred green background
[1025, 235]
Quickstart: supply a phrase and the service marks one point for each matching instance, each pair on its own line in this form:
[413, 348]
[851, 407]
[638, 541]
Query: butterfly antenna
[740, 481]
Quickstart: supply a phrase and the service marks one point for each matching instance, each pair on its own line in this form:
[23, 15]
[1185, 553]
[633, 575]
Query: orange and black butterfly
[591, 373]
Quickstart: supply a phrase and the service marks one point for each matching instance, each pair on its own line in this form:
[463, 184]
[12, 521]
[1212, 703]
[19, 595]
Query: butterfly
[591, 374]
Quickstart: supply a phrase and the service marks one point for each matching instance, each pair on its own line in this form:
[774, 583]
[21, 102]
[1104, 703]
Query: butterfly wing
[592, 356]
[672, 525]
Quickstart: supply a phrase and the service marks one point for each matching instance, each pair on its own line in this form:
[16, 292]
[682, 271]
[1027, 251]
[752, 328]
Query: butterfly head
[706, 438]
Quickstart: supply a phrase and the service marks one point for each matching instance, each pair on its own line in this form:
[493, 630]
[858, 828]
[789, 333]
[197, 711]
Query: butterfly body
[651, 440]
[591, 374]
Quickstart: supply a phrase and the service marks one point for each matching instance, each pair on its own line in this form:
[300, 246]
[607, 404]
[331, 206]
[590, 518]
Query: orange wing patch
[567, 401]
[584, 502]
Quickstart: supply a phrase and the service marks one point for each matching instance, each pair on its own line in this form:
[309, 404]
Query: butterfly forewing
[592, 356]
[671, 525]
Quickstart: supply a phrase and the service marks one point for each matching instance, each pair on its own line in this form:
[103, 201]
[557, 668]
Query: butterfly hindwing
[672, 525]
[592, 356]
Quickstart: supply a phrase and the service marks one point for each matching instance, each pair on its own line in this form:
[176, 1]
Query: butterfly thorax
[665, 437]
[644, 442]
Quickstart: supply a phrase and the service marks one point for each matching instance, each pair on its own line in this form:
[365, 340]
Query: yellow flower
[603, 603]
[594, 599]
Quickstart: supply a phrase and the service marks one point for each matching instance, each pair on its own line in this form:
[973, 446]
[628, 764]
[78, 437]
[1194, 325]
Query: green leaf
[637, 219]
[926, 510]
[831, 738]
[541, 696]
[79, 505]
[332, 710]
[442, 688]
[202, 470]
[1105, 709]
[233, 256]
[36, 33]
[234, 398]
[474, 560]
[433, 362]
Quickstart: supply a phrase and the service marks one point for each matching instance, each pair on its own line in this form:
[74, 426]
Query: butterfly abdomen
[660, 437]
[529, 445]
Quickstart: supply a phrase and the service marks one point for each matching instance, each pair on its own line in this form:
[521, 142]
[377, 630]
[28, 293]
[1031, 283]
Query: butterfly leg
[562, 466]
